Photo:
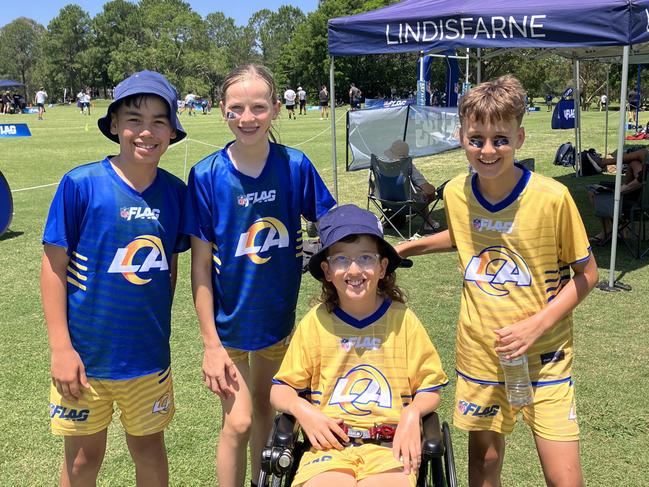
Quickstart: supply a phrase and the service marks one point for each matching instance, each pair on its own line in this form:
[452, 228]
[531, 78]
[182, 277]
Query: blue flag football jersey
[255, 230]
[120, 244]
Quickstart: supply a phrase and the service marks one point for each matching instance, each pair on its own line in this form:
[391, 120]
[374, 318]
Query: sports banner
[14, 130]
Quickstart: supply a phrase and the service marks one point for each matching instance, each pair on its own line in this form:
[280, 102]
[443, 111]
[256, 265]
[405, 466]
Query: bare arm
[407, 439]
[67, 369]
[173, 271]
[219, 372]
[516, 339]
[438, 242]
[323, 432]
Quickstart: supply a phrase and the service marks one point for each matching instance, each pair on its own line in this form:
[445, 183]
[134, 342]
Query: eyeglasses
[343, 262]
[497, 142]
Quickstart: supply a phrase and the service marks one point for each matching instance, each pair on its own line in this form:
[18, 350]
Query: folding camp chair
[633, 216]
[395, 196]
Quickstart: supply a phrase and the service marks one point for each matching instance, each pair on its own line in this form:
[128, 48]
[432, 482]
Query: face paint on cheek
[230, 115]
[477, 143]
[501, 141]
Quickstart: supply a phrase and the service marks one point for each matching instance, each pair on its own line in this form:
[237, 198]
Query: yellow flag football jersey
[515, 258]
[362, 371]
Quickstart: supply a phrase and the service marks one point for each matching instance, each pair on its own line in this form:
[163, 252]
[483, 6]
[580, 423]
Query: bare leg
[150, 458]
[339, 478]
[393, 478]
[83, 456]
[486, 455]
[261, 375]
[560, 462]
[235, 432]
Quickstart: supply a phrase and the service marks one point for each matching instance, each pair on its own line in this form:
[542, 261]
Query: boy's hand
[219, 372]
[68, 373]
[514, 340]
[323, 432]
[406, 446]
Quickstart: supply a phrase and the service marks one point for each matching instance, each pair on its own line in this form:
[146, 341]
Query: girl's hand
[406, 445]
[323, 432]
[68, 373]
[219, 371]
[516, 339]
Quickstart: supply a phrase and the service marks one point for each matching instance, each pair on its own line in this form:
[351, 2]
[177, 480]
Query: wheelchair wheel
[449, 457]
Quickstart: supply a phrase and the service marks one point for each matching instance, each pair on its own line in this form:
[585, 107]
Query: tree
[67, 36]
[273, 31]
[19, 51]
[117, 29]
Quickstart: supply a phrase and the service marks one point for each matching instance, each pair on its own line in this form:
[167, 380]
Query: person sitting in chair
[374, 373]
[631, 186]
[399, 150]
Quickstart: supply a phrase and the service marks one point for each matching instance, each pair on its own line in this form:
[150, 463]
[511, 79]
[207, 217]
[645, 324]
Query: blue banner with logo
[563, 116]
[437, 25]
[14, 130]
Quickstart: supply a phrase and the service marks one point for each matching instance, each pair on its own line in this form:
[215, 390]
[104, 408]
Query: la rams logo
[262, 235]
[147, 246]
[495, 268]
[361, 386]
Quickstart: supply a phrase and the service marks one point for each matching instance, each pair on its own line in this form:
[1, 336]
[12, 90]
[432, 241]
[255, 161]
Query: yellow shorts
[552, 414]
[363, 460]
[274, 353]
[146, 404]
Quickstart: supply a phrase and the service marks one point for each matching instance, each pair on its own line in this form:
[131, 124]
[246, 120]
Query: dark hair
[247, 71]
[387, 287]
[136, 101]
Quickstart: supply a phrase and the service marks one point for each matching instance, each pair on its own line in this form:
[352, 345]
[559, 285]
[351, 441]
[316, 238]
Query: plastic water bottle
[517, 380]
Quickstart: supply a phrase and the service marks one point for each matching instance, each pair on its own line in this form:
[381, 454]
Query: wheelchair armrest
[285, 431]
[432, 444]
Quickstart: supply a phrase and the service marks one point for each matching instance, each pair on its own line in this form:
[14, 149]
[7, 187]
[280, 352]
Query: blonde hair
[248, 71]
[492, 101]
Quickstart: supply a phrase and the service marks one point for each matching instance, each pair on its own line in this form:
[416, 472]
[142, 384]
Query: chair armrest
[285, 431]
[432, 445]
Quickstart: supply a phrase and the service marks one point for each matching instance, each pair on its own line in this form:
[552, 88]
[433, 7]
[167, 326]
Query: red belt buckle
[383, 432]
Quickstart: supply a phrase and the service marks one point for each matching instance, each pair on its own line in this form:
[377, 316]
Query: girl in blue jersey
[244, 214]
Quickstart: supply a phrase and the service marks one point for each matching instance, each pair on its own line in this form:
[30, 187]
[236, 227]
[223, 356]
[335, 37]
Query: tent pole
[621, 130]
[332, 114]
[608, 77]
[577, 98]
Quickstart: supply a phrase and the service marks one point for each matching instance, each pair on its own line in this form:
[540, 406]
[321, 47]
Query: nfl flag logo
[242, 200]
[123, 212]
[346, 344]
[476, 223]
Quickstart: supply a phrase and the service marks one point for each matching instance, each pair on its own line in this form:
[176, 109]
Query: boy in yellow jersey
[518, 236]
[364, 363]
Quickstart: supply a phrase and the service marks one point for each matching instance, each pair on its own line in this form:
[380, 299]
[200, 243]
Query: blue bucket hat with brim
[342, 222]
[144, 83]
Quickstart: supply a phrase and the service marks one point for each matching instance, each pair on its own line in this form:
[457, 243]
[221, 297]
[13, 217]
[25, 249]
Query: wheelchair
[286, 444]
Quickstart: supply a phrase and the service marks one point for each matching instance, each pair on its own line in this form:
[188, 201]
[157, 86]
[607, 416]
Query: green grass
[611, 329]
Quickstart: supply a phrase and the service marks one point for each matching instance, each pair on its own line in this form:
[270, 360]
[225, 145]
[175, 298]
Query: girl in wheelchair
[362, 363]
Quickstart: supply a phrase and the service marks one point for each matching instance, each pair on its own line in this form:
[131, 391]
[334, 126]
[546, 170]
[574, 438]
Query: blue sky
[240, 10]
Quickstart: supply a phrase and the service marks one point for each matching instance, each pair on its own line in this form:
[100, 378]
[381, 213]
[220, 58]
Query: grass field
[612, 330]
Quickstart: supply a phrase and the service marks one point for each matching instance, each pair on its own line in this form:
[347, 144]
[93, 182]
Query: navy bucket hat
[344, 221]
[144, 83]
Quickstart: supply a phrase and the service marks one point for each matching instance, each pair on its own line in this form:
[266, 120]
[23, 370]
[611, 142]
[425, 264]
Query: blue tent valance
[435, 25]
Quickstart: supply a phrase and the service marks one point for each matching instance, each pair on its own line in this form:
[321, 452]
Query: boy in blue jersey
[108, 275]
[526, 264]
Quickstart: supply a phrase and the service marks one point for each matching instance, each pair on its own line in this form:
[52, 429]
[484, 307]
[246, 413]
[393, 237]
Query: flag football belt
[380, 434]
